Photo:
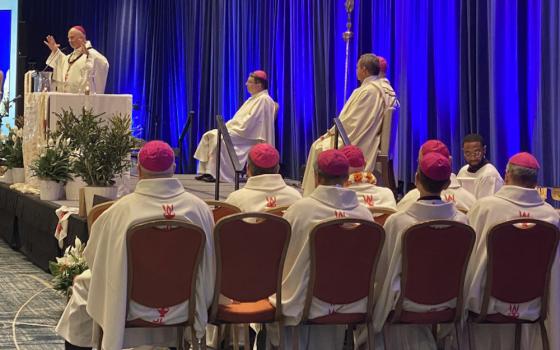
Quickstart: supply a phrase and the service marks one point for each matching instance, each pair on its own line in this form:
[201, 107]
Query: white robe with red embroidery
[371, 195]
[99, 294]
[252, 123]
[388, 277]
[263, 192]
[86, 70]
[510, 202]
[482, 183]
[326, 202]
[462, 198]
[361, 117]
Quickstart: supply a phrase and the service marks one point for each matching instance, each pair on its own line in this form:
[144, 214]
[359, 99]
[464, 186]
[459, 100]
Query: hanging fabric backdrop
[458, 66]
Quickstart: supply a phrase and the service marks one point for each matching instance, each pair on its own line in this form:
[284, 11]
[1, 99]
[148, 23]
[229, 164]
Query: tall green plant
[102, 149]
[54, 161]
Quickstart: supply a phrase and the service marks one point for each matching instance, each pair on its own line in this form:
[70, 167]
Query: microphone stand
[347, 35]
[188, 122]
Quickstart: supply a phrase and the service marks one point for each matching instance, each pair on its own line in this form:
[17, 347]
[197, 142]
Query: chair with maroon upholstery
[250, 253]
[96, 212]
[520, 257]
[435, 256]
[221, 209]
[344, 255]
[277, 210]
[381, 214]
[177, 247]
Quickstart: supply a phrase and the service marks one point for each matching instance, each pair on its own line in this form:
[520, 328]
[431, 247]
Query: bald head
[76, 37]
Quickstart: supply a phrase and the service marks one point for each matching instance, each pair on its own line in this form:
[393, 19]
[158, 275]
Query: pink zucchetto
[79, 29]
[525, 160]
[435, 166]
[333, 162]
[156, 156]
[261, 74]
[382, 64]
[434, 146]
[354, 155]
[264, 156]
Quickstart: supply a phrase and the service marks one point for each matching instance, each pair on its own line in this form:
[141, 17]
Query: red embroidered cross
[449, 198]
[162, 312]
[368, 199]
[271, 202]
[168, 212]
[339, 214]
[513, 310]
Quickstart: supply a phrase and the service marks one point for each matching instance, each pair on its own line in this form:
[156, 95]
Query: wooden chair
[385, 213]
[386, 149]
[344, 255]
[96, 211]
[277, 210]
[435, 255]
[177, 247]
[250, 253]
[520, 257]
[221, 209]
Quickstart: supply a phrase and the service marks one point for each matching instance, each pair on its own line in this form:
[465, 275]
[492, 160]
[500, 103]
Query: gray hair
[521, 176]
[370, 62]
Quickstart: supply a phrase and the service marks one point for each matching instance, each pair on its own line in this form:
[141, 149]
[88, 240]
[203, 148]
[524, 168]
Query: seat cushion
[260, 311]
[339, 318]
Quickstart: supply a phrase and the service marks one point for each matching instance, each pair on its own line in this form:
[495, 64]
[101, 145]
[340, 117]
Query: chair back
[388, 132]
[96, 211]
[163, 259]
[520, 257]
[250, 253]
[221, 209]
[344, 255]
[277, 210]
[435, 255]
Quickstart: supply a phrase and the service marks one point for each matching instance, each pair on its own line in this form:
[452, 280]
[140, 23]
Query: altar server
[252, 123]
[99, 294]
[84, 68]
[265, 188]
[517, 199]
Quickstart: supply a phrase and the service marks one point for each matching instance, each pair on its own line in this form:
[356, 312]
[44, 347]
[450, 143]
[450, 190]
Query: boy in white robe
[85, 68]
[99, 294]
[265, 188]
[329, 200]
[361, 117]
[455, 193]
[517, 199]
[363, 182]
[252, 123]
[431, 177]
[479, 176]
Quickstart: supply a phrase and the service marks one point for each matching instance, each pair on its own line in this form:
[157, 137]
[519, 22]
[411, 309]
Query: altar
[40, 116]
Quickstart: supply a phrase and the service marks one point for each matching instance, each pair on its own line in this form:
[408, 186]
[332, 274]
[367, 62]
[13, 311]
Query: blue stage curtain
[457, 66]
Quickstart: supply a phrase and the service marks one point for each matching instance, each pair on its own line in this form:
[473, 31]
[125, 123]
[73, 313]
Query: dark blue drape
[458, 66]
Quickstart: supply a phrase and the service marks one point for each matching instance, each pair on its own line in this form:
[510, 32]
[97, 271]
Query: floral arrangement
[365, 177]
[54, 161]
[65, 269]
[100, 149]
[12, 147]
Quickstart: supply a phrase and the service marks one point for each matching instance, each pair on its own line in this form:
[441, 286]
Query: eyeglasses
[472, 154]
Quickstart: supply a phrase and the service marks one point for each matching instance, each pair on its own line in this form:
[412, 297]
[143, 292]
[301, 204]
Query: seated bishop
[265, 189]
[253, 123]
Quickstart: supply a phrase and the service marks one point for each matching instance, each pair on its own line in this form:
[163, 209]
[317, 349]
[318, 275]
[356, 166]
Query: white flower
[50, 143]
[14, 138]
[19, 133]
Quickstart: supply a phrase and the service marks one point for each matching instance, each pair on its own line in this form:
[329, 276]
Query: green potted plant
[52, 167]
[13, 151]
[103, 152]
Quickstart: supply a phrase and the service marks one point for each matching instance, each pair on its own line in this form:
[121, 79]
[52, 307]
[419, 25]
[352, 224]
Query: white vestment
[361, 117]
[99, 294]
[263, 192]
[252, 123]
[369, 194]
[389, 269]
[462, 198]
[76, 73]
[326, 202]
[510, 202]
[484, 182]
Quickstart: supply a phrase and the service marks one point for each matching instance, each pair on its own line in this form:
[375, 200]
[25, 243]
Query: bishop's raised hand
[51, 43]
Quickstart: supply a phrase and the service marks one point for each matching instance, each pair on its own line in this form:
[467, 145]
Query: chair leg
[280, 335]
[434, 332]
[518, 336]
[457, 325]
[194, 339]
[385, 335]
[180, 338]
[235, 333]
[351, 329]
[544, 336]
[370, 336]
[469, 335]
[219, 336]
[246, 337]
[295, 338]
